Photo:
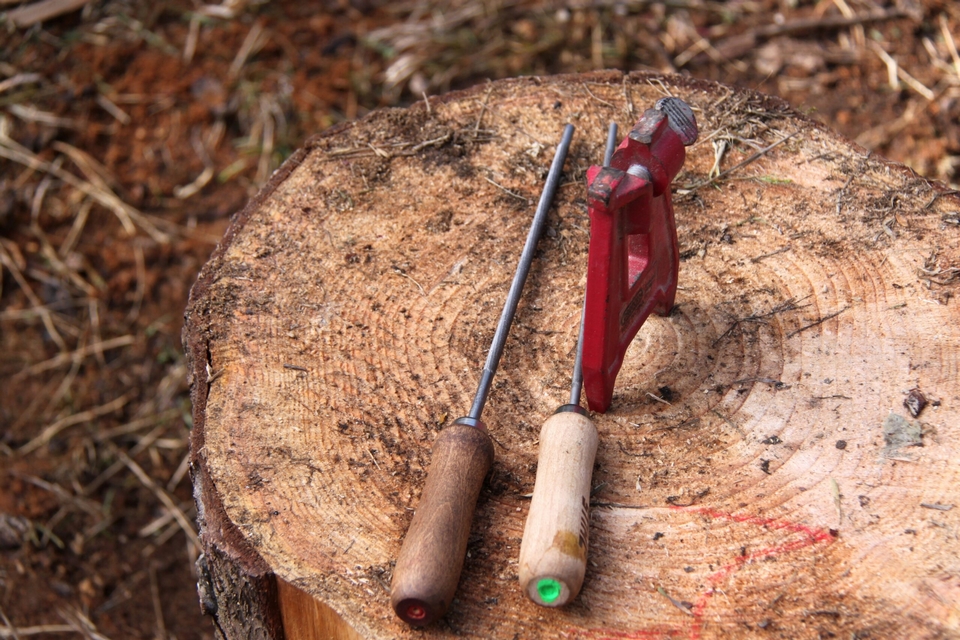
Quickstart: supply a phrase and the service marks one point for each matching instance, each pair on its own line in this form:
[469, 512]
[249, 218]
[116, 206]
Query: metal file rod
[520, 277]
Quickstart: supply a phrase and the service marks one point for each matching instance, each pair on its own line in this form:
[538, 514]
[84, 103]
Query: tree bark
[758, 472]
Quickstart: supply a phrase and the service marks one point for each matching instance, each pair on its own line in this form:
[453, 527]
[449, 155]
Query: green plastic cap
[549, 590]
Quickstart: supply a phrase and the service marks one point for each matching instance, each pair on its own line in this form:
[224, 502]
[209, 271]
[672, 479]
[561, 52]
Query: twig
[155, 598]
[379, 152]
[628, 97]
[8, 261]
[630, 453]
[77, 418]
[141, 284]
[79, 222]
[951, 43]
[617, 505]
[659, 399]
[159, 523]
[74, 356]
[31, 14]
[849, 181]
[407, 148]
[124, 212]
[400, 272]
[604, 102]
[107, 105]
[251, 44]
[894, 70]
[679, 605]
[182, 192]
[9, 625]
[123, 591]
[81, 624]
[46, 248]
[179, 473]
[161, 495]
[29, 113]
[697, 497]
[778, 384]
[19, 79]
[88, 506]
[436, 142]
[41, 630]
[751, 159]
[946, 276]
[730, 422]
[736, 46]
[657, 83]
[817, 323]
[783, 307]
[940, 194]
[268, 109]
[375, 463]
[507, 191]
[135, 425]
[172, 529]
[193, 36]
[483, 108]
[772, 253]
[112, 470]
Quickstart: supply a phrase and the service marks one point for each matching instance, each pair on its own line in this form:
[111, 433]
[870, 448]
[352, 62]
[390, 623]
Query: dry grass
[129, 132]
[800, 51]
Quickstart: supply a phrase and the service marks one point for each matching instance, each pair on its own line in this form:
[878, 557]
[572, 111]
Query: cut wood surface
[758, 473]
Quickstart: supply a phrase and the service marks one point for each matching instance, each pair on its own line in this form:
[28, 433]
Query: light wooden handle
[428, 567]
[553, 554]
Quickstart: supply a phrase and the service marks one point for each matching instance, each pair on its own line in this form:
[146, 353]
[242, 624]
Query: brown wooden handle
[553, 554]
[428, 568]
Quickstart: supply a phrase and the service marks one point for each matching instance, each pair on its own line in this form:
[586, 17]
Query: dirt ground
[130, 132]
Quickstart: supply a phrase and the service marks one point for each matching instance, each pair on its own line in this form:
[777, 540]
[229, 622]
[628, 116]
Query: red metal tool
[633, 261]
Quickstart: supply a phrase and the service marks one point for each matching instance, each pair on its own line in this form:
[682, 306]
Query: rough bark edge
[235, 585]
[239, 587]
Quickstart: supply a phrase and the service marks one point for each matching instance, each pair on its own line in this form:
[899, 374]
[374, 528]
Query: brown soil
[109, 100]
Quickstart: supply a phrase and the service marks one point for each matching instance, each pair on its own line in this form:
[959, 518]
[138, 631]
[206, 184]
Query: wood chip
[42, 11]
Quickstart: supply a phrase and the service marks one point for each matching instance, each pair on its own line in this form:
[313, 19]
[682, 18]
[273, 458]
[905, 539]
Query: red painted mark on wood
[809, 536]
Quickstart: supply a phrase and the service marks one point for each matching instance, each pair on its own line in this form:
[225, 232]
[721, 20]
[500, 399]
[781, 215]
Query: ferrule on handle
[431, 558]
[553, 554]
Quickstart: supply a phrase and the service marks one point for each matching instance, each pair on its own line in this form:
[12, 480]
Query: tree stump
[767, 468]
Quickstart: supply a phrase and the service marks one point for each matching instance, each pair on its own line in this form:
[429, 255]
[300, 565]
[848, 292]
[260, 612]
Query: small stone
[13, 529]
[900, 432]
[915, 402]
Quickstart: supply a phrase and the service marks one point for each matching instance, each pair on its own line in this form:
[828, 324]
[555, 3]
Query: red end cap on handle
[633, 260]
[433, 551]
[416, 613]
